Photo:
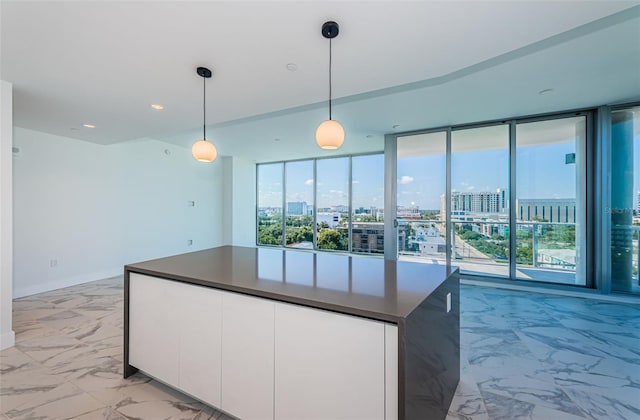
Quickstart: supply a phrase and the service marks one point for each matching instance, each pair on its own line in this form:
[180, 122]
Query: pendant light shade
[330, 134]
[203, 150]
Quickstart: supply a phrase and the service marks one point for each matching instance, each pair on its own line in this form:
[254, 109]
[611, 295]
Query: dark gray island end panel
[431, 354]
[410, 295]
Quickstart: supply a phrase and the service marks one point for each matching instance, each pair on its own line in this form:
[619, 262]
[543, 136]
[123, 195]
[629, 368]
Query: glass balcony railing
[544, 251]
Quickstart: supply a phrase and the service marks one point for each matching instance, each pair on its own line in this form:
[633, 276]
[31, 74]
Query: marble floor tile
[12, 360]
[65, 402]
[32, 329]
[531, 390]
[48, 346]
[209, 413]
[501, 407]
[103, 413]
[29, 383]
[467, 403]
[64, 319]
[160, 409]
[605, 407]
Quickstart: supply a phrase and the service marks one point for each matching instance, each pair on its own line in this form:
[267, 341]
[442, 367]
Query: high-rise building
[476, 202]
[297, 208]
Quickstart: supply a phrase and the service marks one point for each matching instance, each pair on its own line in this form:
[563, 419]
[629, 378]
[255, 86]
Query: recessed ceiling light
[88, 126]
[292, 67]
[157, 106]
[545, 92]
[276, 139]
[395, 126]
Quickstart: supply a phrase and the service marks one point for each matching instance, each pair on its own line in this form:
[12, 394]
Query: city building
[463, 203]
[428, 241]
[412, 212]
[368, 237]
[299, 208]
[552, 210]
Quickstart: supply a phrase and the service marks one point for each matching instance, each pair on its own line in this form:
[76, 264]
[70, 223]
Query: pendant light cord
[204, 107]
[329, 78]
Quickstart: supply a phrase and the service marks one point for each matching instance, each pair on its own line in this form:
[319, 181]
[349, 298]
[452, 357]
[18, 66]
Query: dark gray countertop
[363, 286]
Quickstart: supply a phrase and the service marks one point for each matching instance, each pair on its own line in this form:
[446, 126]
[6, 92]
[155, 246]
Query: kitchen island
[267, 333]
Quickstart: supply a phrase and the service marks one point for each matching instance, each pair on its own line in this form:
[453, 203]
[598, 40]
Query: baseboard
[7, 340]
[19, 292]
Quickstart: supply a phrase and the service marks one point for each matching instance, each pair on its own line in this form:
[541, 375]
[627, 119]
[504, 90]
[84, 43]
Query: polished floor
[524, 356]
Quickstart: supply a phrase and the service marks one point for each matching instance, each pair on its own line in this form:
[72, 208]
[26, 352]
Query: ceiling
[412, 65]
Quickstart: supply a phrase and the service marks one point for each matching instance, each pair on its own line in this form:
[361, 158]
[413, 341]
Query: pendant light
[203, 150]
[330, 134]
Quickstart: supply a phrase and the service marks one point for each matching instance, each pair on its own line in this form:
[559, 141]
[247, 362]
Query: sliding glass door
[505, 200]
[551, 200]
[421, 191]
[480, 200]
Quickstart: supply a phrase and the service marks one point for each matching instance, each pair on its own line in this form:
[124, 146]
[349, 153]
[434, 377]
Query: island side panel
[128, 369]
[430, 349]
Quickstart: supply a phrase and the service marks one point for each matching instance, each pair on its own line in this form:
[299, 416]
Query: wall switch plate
[191, 203]
[448, 302]
[53, 263]
[190, 242]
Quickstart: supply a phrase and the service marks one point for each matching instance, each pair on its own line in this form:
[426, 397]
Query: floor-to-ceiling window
[328, 204]
[624, 205]
[421, 192]
[512, 198]
[551, 200]
[299, 204]
[367, 210]
[480, 200]
[269, 180]
[332, 192]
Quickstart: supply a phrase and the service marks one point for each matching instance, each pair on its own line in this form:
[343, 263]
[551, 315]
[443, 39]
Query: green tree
[330, 239]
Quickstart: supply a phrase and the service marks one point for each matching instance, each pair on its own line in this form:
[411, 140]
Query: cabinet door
[247, 356]
[327, 365]
[200, 311]
[153, 328]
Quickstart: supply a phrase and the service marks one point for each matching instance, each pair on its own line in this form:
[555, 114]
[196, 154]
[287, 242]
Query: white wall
[7, 336]
[82, 211]
[239, 202]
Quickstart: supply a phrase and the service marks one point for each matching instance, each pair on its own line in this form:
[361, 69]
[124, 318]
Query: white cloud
[471, 187]
[405, 179]
[308, 182]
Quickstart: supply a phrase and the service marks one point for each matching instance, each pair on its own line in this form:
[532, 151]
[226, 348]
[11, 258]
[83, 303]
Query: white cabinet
[200, 311]
[247, 356]
[174, 334]
[259, 359]
[327, 365]
[153, 329]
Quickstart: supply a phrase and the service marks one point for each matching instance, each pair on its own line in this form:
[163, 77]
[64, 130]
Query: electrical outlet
[191, 203]
[53, 263]
[190, 242]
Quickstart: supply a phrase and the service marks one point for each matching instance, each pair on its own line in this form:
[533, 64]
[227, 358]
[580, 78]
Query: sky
[541, 172]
